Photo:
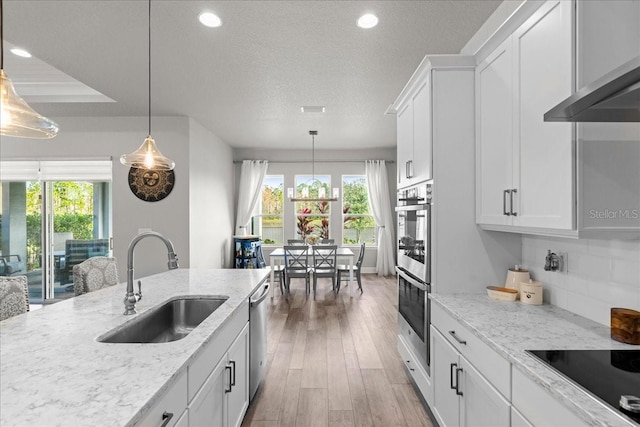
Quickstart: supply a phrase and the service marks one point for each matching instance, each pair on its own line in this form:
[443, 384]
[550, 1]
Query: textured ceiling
[246, 80]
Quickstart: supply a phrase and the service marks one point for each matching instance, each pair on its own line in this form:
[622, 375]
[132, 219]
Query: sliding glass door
[50, 225]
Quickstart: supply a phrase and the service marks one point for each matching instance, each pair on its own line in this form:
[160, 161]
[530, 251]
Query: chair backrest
[361, 255]
[14, 296]
[327, 241]
[11, 265]
[324, 257]
[296, 242]
[94, 273]
[295, 258]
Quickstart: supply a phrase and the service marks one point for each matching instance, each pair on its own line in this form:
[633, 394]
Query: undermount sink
[171, 321]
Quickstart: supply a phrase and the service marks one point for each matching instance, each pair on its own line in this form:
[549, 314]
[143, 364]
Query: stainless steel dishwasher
[257, 338]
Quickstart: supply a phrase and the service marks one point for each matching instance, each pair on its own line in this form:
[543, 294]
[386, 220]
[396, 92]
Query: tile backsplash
[598, 274]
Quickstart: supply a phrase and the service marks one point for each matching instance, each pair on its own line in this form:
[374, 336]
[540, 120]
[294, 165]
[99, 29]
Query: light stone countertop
[53, 372]
[510, 328]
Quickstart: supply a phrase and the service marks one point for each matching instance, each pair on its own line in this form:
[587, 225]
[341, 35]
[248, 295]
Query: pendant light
[147, 156]
[305, 197]
[17, 119]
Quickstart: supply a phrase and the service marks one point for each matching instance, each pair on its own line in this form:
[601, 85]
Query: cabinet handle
[409, 169]
[453, 334]
[504, 202]
[166, 417]
[229, 368]
[458, 392]
[233, 380]
[513, 191]
[453, 387]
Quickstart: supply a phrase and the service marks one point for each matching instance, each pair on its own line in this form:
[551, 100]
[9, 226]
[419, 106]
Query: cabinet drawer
[538, 406]
[174, 402]
[489, 363]
[202, 366]
[416, 370]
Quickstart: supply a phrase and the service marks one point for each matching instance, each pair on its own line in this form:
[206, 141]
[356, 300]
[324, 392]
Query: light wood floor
[333, 361]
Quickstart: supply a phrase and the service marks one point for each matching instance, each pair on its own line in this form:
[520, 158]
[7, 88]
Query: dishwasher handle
[265, 293]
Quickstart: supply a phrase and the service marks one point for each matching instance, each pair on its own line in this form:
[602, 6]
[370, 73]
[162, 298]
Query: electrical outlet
[564, 262]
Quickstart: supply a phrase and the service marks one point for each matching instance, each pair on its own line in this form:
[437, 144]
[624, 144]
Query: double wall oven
[414, 267]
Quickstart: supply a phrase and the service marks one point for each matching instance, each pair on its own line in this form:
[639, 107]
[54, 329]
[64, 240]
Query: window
[357, 223]
[269, 222]
[312, 218]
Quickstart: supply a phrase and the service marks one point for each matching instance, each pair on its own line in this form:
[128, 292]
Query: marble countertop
[510, 328]
[53, 372]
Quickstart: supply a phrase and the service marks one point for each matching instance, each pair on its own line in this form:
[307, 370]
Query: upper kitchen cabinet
[525, 166]
[416, 111]
[414, 138]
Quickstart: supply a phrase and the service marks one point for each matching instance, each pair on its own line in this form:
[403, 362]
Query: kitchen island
[510, 328]
[54, 372]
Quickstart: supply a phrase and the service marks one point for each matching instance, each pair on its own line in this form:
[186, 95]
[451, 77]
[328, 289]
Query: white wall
[601, 274]
[350, 162]
[93, 137]
[211, 205]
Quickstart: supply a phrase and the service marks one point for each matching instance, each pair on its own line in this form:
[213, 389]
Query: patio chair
[324, 264]
[295, 265]
[14, 296]
[357, 270]
[11, 265]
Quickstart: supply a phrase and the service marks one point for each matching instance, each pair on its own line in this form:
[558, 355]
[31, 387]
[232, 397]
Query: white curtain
[380, 205]
[251, 178]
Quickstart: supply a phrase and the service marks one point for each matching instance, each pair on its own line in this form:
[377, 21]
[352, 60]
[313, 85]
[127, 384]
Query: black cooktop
[608, 374]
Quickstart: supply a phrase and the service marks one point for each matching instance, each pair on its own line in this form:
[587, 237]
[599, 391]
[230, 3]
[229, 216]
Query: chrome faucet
[131, 298]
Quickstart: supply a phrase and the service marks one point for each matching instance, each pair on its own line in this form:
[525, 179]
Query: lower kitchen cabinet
[170, 407]
[462, 396]
[224, 397]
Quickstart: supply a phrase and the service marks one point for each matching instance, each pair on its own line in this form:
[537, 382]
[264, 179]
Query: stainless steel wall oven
[414, 267]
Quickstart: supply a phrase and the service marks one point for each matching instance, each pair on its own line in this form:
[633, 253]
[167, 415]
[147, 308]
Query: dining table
[342, 253]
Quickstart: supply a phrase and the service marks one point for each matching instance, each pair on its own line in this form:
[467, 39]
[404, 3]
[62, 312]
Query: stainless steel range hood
[615, 97]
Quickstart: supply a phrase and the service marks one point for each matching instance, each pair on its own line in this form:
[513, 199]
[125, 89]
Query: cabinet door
[480, 404]
[443, 369]
[422, 137]
[543, 154]
[494, 138]
[405, 143]
[238, 359]
[208, 406]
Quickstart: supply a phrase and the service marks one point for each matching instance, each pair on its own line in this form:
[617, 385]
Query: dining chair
[296, 242]
[14, 296]
[94, 273]
[295, 265]
[324, 264]
[328, 241]
[357, 269]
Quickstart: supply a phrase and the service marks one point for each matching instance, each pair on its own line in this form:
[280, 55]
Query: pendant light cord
[1, 38]
[313, 157]
[149, 67]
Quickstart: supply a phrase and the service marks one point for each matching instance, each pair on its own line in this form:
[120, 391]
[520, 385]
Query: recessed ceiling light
[312, 109]
[20, 52]
[210, 19]
[368, 20]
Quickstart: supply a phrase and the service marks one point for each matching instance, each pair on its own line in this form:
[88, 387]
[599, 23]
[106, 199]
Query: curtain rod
[317, 161]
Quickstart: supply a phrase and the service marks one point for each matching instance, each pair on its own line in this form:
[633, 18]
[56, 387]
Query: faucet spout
[131, 298]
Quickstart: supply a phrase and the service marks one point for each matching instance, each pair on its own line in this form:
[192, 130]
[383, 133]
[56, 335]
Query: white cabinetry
[524, 165]
[529, 398]
[224, 397]
[462, 396]
[170, 408]
[218, 386]
[414, 135]
[470, 381]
